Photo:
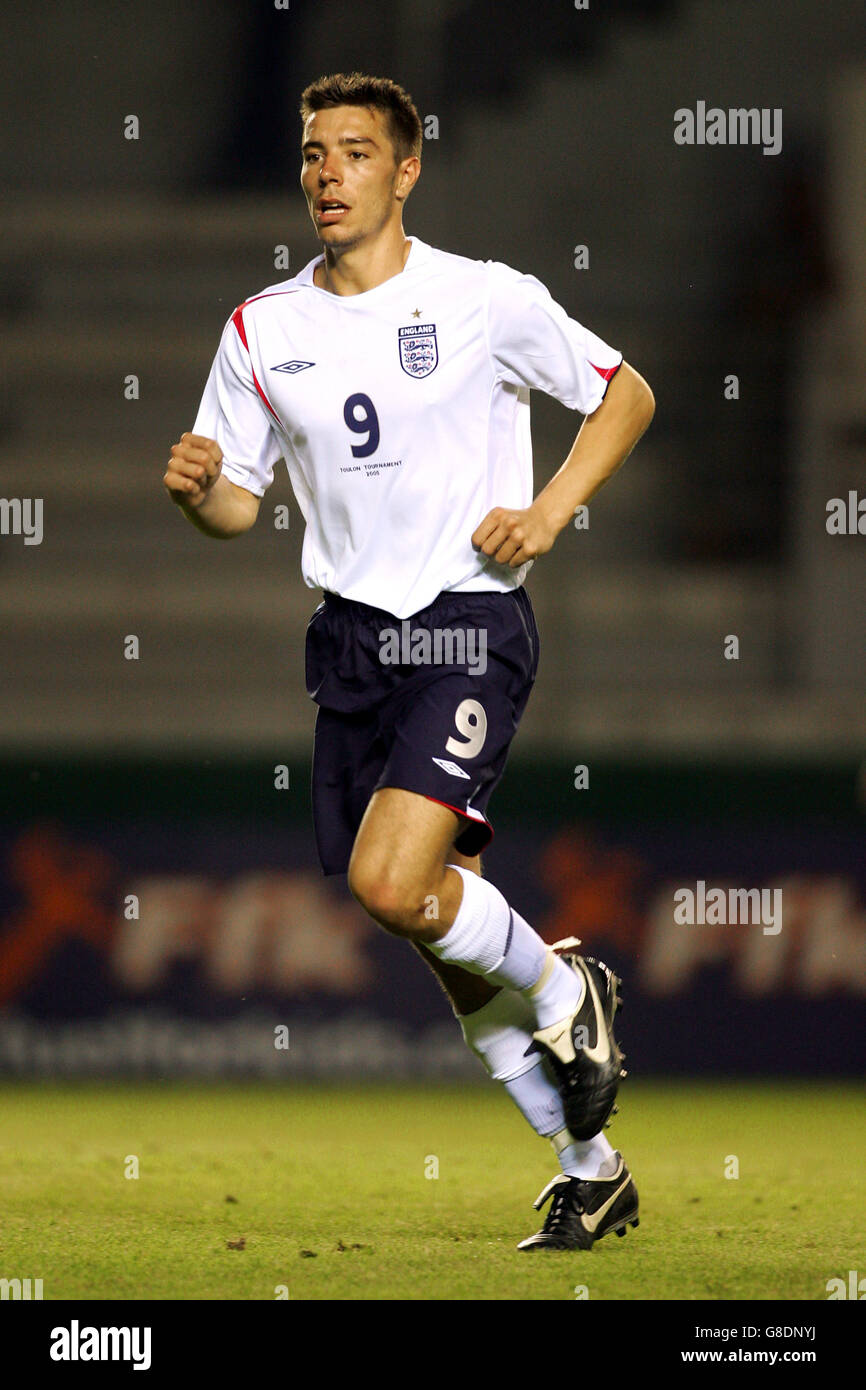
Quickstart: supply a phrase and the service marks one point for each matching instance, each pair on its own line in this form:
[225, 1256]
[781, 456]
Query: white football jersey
[402, 414]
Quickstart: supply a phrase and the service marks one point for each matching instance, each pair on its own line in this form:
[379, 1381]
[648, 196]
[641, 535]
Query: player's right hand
[193, 468]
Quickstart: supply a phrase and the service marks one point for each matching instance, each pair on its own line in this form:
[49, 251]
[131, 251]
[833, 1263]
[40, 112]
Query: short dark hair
[358, 89]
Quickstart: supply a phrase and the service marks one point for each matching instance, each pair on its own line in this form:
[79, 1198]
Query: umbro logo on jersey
[419, 352]
[454, 770]
[292, 366]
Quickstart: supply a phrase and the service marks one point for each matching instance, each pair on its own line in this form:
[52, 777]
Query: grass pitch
[325, 1193]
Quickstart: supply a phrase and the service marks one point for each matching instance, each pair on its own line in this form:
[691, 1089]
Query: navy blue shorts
[428, 703]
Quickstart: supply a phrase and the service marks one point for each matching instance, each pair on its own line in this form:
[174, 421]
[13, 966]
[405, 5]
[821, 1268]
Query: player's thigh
[402, 845]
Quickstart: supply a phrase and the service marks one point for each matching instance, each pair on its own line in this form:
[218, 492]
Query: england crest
[419, 353]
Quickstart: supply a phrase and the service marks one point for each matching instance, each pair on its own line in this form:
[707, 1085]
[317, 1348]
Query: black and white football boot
[585, 1209]
[582, 1049]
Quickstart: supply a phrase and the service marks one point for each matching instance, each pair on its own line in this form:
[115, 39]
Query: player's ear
[410, 172]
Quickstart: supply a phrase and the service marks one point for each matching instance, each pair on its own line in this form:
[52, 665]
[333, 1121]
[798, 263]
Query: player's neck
[363, 267]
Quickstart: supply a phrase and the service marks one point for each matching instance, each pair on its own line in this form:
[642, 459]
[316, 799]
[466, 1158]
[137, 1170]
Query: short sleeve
[233, 413]
[533, 342]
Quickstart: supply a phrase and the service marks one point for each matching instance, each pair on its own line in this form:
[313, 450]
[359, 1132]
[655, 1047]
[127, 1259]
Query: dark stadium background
[151, 781]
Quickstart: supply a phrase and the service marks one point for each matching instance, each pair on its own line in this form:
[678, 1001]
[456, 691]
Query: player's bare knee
[407, 922]
[397, 907]
[377, 895]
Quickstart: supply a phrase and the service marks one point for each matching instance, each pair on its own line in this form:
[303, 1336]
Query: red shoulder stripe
[238, 321]
[606, 372]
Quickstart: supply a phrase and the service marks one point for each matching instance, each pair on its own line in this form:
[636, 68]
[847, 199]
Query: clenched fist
[193, 469]
[513, 536]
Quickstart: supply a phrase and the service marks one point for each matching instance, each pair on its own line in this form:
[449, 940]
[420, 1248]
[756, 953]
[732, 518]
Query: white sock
[499, 1034]
[593, 1159]
[489, 938]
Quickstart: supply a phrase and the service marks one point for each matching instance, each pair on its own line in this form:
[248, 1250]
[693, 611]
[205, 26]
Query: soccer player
[394, 379]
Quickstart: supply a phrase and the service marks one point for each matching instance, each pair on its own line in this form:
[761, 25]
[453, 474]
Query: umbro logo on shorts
[293, 366]
[452, 768]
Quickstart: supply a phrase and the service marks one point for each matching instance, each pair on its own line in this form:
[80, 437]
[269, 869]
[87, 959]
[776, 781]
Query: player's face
[347, 159]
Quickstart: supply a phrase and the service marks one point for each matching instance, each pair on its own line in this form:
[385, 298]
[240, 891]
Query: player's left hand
[511, 537]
